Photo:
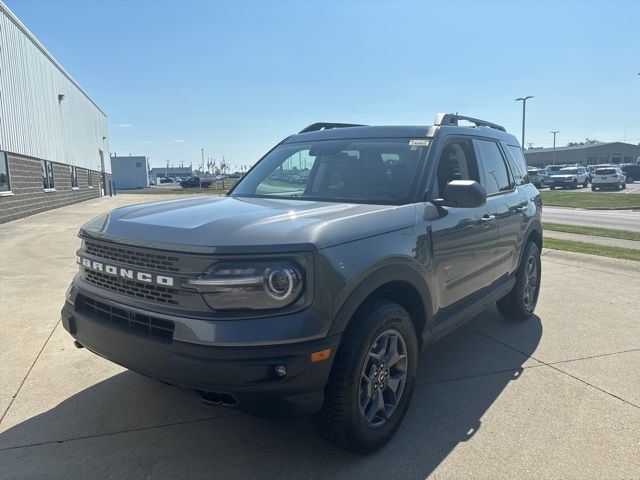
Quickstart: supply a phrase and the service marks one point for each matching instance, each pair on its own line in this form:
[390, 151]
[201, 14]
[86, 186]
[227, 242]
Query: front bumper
[240, 377]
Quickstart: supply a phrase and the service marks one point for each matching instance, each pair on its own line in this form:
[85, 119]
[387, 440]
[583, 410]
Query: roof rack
[327, 126]
[453, 118]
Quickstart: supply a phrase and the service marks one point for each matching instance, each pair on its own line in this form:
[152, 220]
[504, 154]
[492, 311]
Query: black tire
[515, 305]
[341, 420]
[624, 185]
[585, 184]
[574, 184]
[593, 189]
[551, 187]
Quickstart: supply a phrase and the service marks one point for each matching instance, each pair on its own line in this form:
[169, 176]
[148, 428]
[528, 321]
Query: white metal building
[130, 172]
[53, 137]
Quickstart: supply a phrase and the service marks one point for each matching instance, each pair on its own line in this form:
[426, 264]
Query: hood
[240, 225]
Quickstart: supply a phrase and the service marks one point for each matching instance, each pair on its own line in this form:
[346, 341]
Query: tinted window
[496, 177]
[568, 171]
[457, 162]
[606, 171]
[74, 176]
[5, 185]
[47, 174]
[518, 164]
[365, 170]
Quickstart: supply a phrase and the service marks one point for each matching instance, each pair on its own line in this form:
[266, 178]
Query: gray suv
[312, 285]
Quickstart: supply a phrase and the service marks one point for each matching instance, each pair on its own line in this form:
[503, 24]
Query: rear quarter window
[518, 164]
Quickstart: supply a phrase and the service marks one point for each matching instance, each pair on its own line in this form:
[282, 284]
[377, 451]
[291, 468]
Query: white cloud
[123, 125]
[178, 140]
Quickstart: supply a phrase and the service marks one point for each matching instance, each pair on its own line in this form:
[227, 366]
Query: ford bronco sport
[312, 285]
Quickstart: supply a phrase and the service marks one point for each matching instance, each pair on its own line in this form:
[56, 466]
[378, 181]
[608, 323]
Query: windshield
[360, 171]
[606, 171]
[570, 171]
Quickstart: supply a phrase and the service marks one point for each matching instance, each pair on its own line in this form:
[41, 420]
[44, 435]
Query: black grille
[154, 327]
[131, 257]
[132, 288]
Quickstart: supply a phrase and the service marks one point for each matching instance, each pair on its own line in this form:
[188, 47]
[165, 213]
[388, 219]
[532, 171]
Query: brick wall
[29, 196]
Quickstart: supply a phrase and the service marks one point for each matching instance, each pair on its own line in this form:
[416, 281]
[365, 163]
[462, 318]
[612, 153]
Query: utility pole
[555, 132]
[524, 109]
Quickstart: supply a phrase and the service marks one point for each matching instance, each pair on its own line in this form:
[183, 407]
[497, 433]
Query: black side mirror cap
[464, 194]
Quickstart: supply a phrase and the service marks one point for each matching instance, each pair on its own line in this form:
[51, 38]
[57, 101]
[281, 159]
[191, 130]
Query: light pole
[555, 132]
[524, 109]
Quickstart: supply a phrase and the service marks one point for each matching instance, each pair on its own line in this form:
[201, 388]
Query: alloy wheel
[531, 282]
[383, 378]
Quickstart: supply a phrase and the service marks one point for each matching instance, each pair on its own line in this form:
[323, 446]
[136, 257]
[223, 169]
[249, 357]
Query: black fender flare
[366, 284]
[533, 231]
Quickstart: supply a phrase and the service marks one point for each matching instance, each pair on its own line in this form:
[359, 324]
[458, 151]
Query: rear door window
[493, 166]
[517, 163]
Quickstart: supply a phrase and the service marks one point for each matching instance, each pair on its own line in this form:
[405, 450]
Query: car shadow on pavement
[128, 426]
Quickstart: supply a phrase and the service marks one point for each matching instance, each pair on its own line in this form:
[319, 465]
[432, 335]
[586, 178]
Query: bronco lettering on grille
[125, 273]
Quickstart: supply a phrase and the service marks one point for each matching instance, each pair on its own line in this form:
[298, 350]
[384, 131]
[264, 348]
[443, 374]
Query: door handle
[487, 218]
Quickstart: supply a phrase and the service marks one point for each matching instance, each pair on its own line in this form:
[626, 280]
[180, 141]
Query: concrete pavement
[618, 219]
[593, 239]
[553, 397]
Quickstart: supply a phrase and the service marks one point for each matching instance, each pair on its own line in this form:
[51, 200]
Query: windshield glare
[360, 171]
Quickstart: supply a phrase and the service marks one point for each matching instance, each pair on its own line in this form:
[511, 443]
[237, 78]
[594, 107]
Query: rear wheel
[585, 184]
[521, 301]
[593, 188]
[372, 379]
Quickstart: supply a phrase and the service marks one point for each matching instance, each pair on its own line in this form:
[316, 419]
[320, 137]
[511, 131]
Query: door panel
[464, 247]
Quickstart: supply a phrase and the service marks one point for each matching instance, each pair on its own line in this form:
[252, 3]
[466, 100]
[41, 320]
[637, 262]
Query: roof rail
[327, 126]
[453, 118]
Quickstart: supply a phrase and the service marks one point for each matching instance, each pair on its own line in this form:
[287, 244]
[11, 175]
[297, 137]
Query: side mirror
[463, 194]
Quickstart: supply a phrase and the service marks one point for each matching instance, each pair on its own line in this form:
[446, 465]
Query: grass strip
[592, 231]
[592, 249]
[593, 200]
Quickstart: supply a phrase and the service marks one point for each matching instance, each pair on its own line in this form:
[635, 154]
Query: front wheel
[585, 184]
[521, 301]
[372, 379]
[624, 185]
[593, 188]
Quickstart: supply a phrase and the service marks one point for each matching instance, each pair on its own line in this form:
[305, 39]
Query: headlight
[250, 285]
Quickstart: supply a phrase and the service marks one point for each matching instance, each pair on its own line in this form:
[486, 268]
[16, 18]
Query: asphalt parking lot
[557, 396]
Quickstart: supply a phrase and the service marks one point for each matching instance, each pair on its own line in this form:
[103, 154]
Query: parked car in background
[535, 177]
[196, 182]
[608, 177]
[569, 177]
[544, 176]
[631, 171]
[165, 180]
[592, 168]
[553, 169]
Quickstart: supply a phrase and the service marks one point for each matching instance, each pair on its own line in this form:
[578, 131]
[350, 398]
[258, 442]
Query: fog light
[281, 370]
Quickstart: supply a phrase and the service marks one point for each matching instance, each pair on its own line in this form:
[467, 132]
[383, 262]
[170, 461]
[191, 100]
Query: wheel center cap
[381, 377]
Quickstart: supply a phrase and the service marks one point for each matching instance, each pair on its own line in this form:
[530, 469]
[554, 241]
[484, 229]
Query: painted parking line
[633, 190]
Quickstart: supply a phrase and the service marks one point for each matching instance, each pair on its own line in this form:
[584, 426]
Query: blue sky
[236, 77]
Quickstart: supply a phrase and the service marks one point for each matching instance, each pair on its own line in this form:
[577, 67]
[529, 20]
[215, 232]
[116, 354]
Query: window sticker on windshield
[418, 142]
